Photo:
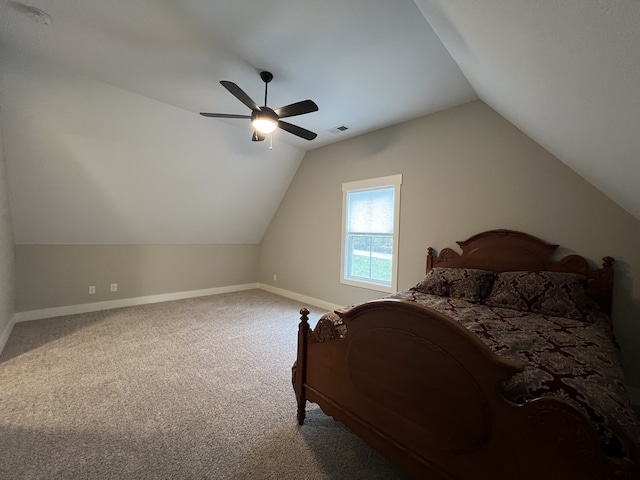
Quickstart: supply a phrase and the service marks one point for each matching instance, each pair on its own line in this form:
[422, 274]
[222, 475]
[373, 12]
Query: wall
[50, 276]
[109, 186]
[92, 164]
[6, 257]
[465, 170]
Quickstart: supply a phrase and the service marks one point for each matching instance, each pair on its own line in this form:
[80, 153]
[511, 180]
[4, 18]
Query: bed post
[301, 364]
[607, 283]
[429, 259]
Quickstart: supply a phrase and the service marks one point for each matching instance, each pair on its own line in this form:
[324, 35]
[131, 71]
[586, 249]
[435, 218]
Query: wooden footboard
[424, 391]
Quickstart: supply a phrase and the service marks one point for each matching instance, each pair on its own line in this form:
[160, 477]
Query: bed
[445, 392]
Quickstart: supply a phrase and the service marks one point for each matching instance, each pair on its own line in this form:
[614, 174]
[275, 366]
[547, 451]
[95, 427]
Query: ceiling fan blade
[224, 115]
[296, 130]
[237, 92]
[298, 108]
[257, 136]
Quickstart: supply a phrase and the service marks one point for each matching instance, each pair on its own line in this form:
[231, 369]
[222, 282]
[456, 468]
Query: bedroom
[499, 170]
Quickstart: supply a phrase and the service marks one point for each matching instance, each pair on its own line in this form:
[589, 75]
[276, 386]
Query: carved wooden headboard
[510, 251]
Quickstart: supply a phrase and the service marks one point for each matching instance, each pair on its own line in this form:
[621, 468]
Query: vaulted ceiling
[104, 143]
[566, 73]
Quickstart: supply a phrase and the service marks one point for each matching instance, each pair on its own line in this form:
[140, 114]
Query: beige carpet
[190, 389]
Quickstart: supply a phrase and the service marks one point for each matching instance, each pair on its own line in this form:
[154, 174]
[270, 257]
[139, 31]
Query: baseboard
[126, 302]
[298, 297]
[634, 393]
[166, 297]
[4, 336]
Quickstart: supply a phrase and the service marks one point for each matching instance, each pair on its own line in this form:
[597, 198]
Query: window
[370, 218]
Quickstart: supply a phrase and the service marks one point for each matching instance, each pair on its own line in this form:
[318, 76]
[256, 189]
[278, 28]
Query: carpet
[189, 389]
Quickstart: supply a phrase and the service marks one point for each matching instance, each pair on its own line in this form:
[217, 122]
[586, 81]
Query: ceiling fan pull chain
[271, 142]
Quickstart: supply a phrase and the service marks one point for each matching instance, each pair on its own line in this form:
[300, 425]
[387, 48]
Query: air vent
[339, 129]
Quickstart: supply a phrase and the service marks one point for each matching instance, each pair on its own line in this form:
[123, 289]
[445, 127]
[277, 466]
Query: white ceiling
[117, 86]
[366, 63]
[566, 73]
[101, 131]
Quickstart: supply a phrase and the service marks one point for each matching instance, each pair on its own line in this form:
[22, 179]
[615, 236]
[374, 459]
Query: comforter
[572, 360]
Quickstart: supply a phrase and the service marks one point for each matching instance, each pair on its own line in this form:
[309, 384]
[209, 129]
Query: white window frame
[394, 181]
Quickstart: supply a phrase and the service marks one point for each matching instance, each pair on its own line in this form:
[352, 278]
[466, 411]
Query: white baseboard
[298, 297]
[4, 336]
[166, 297]
[126, 302]
[634, 393]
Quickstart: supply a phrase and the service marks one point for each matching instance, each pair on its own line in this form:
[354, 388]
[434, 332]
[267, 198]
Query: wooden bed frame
[423, 390]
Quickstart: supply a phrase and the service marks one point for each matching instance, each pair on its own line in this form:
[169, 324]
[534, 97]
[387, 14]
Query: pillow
[556, 294]
[465, 283]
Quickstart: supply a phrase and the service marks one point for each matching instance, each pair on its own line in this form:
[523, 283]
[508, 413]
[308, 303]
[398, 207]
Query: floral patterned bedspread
[568, 359]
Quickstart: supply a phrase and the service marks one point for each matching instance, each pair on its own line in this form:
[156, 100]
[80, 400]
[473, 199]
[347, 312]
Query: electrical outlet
[92, 289]
[275, 277]
[114, 287]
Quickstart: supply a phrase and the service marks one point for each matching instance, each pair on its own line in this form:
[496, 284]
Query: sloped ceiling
[102, 136]
[566, 73]
[99, 109]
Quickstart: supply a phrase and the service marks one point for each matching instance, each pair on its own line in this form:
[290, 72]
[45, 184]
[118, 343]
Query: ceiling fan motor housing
[265, 113]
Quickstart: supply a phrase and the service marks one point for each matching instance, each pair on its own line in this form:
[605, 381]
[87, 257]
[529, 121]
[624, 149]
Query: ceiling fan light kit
[264, 119]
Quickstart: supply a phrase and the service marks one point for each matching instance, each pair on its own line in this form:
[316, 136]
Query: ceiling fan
[264, 119]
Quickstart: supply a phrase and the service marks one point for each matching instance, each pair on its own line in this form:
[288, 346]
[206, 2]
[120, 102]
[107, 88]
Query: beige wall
[465, 170]
[6, 255]
[60, 275]
[141, 172]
